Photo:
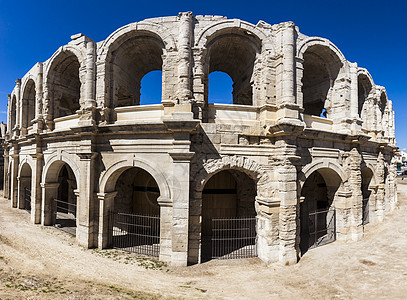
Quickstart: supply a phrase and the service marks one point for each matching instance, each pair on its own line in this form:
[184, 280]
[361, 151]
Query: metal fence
[27, 199]
[234, 238]
[365, 211]
[65, 216]
[136, 233]
[322, 227]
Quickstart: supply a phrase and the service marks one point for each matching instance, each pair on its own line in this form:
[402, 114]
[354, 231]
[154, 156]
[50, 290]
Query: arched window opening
[24, 186]
[136, 217]
[317, 214]
[13, 113]
[367, 176]
[66, 85]
[28, 111]
[228, 210]
[364, 88]
[151, 88]
[66, 203]
[382, 103]
[220, 88]
[235, 55]
[321, 68]
[133, 59]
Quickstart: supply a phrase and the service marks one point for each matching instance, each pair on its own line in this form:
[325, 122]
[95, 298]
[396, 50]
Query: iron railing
[322, 227]
[233, 238]
[65, 216]
[365, 211]
[27, 199]
[136, 233]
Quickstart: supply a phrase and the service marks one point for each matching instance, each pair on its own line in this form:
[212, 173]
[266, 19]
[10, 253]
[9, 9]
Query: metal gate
[233, 238]
[365, 211]
[136, 233]
[321, 229]
[27, 199]
[65, 216]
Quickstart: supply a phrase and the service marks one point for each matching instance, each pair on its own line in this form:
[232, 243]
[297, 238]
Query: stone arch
[366, 91]
[13, 112]
[372, 168]
[25, 160]
[321, 164]
[208, 32]
[79, 53]
[240, 163]
[155, 29]
[109, 178]
[28, 102]
[54, 164]
[323, 65]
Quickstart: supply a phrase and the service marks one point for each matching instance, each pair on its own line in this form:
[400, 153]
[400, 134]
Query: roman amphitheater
[303, 156]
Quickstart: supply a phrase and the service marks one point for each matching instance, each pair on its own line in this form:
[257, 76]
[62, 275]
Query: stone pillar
[86, 219]
[355, 185]
[184, 56]
[354, 101]
[36, 187]
[166, 230]
[38, 120]
[88, 109]
[13, 181]
[9, 106]
[18, 108]
[341, 199]
[380, 171]
[106, 204]
[48, 109]
[6, 174]
[181, 124]
[49, 193]
[198, 84]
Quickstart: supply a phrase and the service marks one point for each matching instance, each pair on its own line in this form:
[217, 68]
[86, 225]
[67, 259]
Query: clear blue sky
[371, 33]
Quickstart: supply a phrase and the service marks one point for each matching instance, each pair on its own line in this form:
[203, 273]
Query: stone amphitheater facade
[307, 131]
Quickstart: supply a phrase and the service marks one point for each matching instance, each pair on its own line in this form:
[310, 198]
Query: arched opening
[321, 69]
[13, 113]
[364, 89]
[65, 84]
[136, 213]
[317, 213]
[24, 187]
[220, 88]
[228, 216]
[234, 53]
[367, 176]
[28, 111]
[131, 61]
[65, 205]
[151, 88]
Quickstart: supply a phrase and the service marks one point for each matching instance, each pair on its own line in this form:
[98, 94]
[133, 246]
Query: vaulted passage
[134, 59]
[24, 187]
[228, 216]
[321, 68]
[234, 53]
[65, 85]
[136, 213]
[367, 205]
[317, 214]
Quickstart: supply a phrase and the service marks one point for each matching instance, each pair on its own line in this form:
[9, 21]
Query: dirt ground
[45, 263]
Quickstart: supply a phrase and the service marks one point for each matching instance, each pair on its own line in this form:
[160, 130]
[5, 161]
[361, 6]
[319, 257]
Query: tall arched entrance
[228, 216]
[317, 212]
[65, 205]
[367, 176]
[24, 187]
[135, 215]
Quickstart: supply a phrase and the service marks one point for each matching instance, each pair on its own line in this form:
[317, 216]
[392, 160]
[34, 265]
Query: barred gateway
[303, 156]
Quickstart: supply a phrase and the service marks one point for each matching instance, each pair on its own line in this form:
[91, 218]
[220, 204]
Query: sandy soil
[44, 263]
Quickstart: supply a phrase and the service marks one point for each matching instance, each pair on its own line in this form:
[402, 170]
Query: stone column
[9, 107]
[13, 174]
[87, 111]
[18, 108]
[49, 193]
[36, 187]
[380, 171]
[166, 229]
[86, 219]
[181, 124]
[341, 200]
[184, 56]
[48, 109]
[355, 185]
[6, 174]
[198, 83]
[38, 120]
[354, 101]
[106, 204]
